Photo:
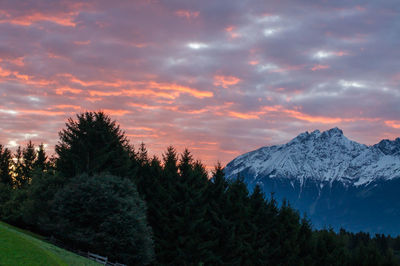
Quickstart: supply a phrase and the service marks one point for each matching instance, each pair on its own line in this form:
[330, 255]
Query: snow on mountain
[324, 157]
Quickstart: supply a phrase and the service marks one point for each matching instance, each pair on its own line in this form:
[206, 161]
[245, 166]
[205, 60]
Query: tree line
[99, 193]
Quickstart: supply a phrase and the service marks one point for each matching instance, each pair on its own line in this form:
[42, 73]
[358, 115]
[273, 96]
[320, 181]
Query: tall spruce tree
[216, 215]
[193, 243]
[41, 159]
[142, 170]
[263, 221]
[287, 226]
[5, 166]
[163, 207]
[18, 171]
[238, 214]
[28, 161]
[93, 144]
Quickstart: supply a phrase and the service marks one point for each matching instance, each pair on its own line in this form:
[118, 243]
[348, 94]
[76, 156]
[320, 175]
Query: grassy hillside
[19, 247]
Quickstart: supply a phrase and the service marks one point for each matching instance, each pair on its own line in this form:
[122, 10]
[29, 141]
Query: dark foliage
[104, 214]
[5, 166]
[93, 144]
[85, 197]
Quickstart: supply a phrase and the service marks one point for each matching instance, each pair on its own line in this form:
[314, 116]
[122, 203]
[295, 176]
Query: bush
[104, 214]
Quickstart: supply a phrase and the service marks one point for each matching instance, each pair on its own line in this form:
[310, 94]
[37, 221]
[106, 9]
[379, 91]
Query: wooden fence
[89, 255]
[102, 260]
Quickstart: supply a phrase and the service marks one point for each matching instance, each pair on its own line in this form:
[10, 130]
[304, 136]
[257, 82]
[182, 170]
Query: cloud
[220, 77]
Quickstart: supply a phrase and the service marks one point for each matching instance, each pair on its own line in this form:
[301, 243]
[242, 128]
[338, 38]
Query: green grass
[20, 247]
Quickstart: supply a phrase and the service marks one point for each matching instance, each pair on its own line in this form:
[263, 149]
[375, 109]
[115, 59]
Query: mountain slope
[334, 180]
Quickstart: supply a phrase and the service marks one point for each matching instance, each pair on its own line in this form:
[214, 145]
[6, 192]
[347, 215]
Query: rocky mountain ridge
[335, 181]
[322, 156]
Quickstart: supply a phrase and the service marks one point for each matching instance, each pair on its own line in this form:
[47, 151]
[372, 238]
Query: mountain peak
[334, 131]
[326, 156]
[306, 136]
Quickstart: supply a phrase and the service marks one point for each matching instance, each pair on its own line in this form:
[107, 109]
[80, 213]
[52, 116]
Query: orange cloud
[116, 112]
[225, 81]
[279, 109]
[17, 61]
[4, 72]
[243, 115]
[305, 117]
[22, 78]
[139, 88]
[140, 128]
[62, 90]
[67, 106]
[40, 112]
[393, 123]
[66, 19]
[133, 92]
[99, 83]
[231, 33]
[149, 92]
[319, 67]
[313, 119]
[178, 88]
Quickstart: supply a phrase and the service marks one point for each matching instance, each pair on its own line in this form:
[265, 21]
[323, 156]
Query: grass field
[19, 247]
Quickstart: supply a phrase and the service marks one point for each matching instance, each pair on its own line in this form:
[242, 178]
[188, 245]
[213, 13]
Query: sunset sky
[219, 77]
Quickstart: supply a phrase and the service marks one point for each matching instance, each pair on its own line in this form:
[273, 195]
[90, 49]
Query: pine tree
[263, 221]
[306, 243]
[142, 156]
[41, 159]
[142, 176]
[5, 166]
[19, 177]
[93, 144]
[287, 226]
[192, 201]
[28, 161]
[182, 231]
[162, 207]
[238, 214]
[220, 229]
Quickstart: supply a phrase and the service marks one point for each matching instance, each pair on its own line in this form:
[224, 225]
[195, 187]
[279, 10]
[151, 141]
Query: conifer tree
[161, 209]
[170, 158]
[191, 207]
[5, 166]
[288, 226]
[142, 170]
[306, 243]
[19, 177]
[28, 161]
[238, 213]
[216, 214]
[41, 159]
[264, 222]
[93, 144]
[142, 156]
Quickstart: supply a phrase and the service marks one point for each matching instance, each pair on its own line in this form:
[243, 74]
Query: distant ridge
[329, 176]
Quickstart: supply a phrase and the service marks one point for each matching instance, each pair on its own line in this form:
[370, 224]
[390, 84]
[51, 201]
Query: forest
[99, 193]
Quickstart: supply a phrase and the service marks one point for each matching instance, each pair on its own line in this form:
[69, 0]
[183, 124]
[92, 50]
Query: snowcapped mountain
[336, 181]
[322, 156]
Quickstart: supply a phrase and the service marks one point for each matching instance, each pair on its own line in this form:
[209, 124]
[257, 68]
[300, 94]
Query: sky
[218, 77]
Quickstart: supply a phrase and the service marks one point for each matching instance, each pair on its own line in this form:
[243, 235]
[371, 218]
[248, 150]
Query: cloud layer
[219, 77]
